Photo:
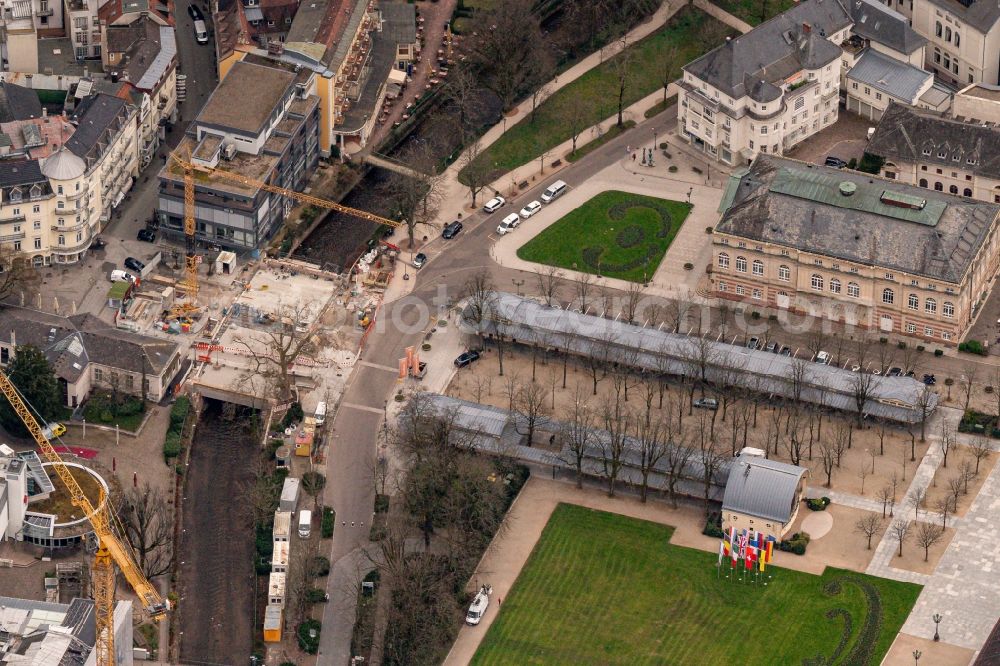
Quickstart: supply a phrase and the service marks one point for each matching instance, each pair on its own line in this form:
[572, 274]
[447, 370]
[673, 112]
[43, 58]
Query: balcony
[70, 228]
[12, 218]
[73, 196]
[12, 237]
[43, 12]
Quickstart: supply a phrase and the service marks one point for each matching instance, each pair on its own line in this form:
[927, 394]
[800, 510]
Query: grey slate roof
[97, 120]
[527, 321]
[943, 250]
[21, 172]
[18, 103]
[982, 15]
[878, 23]
[762, 487]
[70, 343]
[774, 50]
[912, 135]
[895, 78]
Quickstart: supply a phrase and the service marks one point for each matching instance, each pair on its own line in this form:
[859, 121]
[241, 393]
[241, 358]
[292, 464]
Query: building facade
[939, 153]
[762, 495]
[270, 137]
[867, 252]
[964, 39]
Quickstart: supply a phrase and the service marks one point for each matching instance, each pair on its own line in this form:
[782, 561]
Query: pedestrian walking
[498, 602]
[633, 157]
[628, 149]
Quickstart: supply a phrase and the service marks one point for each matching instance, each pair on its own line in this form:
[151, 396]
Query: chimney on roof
[13, 340]
[806, 28]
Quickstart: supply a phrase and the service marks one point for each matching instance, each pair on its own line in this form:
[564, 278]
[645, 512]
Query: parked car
[53, 430]
[531, 209]
[706, 403]
[771, 347]
[134, 264]
[419, 259]
[195, 13]
[451, 230]
[494, 204]
[146, 235]
[785, 350]
[554, 191]
[822, 357]
[508, 224]
[753, 343]
[929, 380]
[466, 358]
[835, 162]
[200, 32]
[119, 275]
[894, 372]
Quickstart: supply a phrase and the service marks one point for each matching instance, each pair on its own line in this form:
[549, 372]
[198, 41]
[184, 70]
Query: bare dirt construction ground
[217, 548]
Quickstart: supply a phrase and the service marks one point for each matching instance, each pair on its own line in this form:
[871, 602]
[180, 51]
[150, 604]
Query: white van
[480, 604]
[200, 32]
[508, 224]
[554, 191]
[305, 523]
[119, 275]
[320, 413]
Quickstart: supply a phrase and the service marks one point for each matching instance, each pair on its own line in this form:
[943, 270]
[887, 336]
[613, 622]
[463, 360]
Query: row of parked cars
[512, 221]
[132, 264]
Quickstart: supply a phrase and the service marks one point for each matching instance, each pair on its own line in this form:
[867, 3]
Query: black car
[835, 162]
[419, 259]
[147, 235]
[195, 13]
[451, 230]
[930, 380]
[134, 264]
[466, 358]
[98, 243]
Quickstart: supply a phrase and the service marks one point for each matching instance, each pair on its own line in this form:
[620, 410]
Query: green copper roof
[857, 194]
[731, 187]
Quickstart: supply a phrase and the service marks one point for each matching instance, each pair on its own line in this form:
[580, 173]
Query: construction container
[289, 495]
[282, 456]
[282, 526]
[279, 558]
[276, 588]
[272, 624]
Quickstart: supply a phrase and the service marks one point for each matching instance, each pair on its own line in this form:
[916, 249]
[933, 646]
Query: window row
[741, 264]
[952, 189]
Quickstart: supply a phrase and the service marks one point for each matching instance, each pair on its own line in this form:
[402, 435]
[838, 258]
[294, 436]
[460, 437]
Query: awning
[253, 14]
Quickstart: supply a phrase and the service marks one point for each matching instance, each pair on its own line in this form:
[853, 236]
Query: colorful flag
[770, 548]
[762, 562]
[722, 548]
[748, 558]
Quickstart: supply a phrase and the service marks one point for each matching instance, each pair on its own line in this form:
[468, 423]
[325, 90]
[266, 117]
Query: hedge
[173, 442]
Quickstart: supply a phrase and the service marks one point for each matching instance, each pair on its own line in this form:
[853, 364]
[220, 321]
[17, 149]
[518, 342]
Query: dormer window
[942, 154]
[971, 160]
[927, 151]
[36, 191]
[15, 194]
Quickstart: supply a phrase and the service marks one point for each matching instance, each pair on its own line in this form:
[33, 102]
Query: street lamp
[917, 654]
[654, 139]
[937, 620]
[517, 285]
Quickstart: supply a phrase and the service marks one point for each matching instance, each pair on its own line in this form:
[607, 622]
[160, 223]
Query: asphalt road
[350, 462]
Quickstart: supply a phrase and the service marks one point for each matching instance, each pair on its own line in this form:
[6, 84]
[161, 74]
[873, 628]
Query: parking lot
[845, 139]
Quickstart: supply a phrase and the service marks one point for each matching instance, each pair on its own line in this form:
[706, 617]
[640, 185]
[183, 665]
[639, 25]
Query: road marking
[364, 408]
[377, 366]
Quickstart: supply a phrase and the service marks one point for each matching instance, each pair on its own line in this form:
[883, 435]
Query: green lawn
[593, 97]
[600, 588]
[617, 234]
[750, 10]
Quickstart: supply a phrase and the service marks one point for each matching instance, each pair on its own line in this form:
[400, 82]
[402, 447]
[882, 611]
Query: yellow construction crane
[190, 282]
[111, 548]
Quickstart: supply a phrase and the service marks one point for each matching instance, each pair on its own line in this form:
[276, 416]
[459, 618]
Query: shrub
[329, 520]
[972, 347]
[901, 344]
[316, 596]
[713, 526]
[818, 503]
[293, 415]
[688, 266]
[179, 412]
[288, 663]
[672, 168]
[755, 315]
[882, 341]
[938, 352]
[308, 642]
[320, 566]
[921, 348]
[852, 163]
[426, 346]
[381, 503]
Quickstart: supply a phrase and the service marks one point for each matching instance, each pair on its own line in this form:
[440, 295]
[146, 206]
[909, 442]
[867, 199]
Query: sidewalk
[718, 12]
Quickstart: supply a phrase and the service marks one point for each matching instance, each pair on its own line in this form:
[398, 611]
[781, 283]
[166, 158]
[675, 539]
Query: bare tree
[980, 450]
[550, 282]
[862, 384]
[312, 484]
[827, 458]
[863, 473]
[946, 443]
[900, 530]
[617, 421]
[869, 526]
[649, 433]
[481, 385]
[668, 67]
[925, 402]
[476, 172]
[577, 433]
[145, 518]
[676, 459]
[995, 379]
[968, 383]
[621, 65]
[529, 406]
[917, 496]
[928, 534]
[542, 92]
[884, 496]
[944, 505]
[480, 297]
[578, 119]
[955, 490]
[710, 456]
[967, 472]
[16, 272]
[584, 284]
[272, 352]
